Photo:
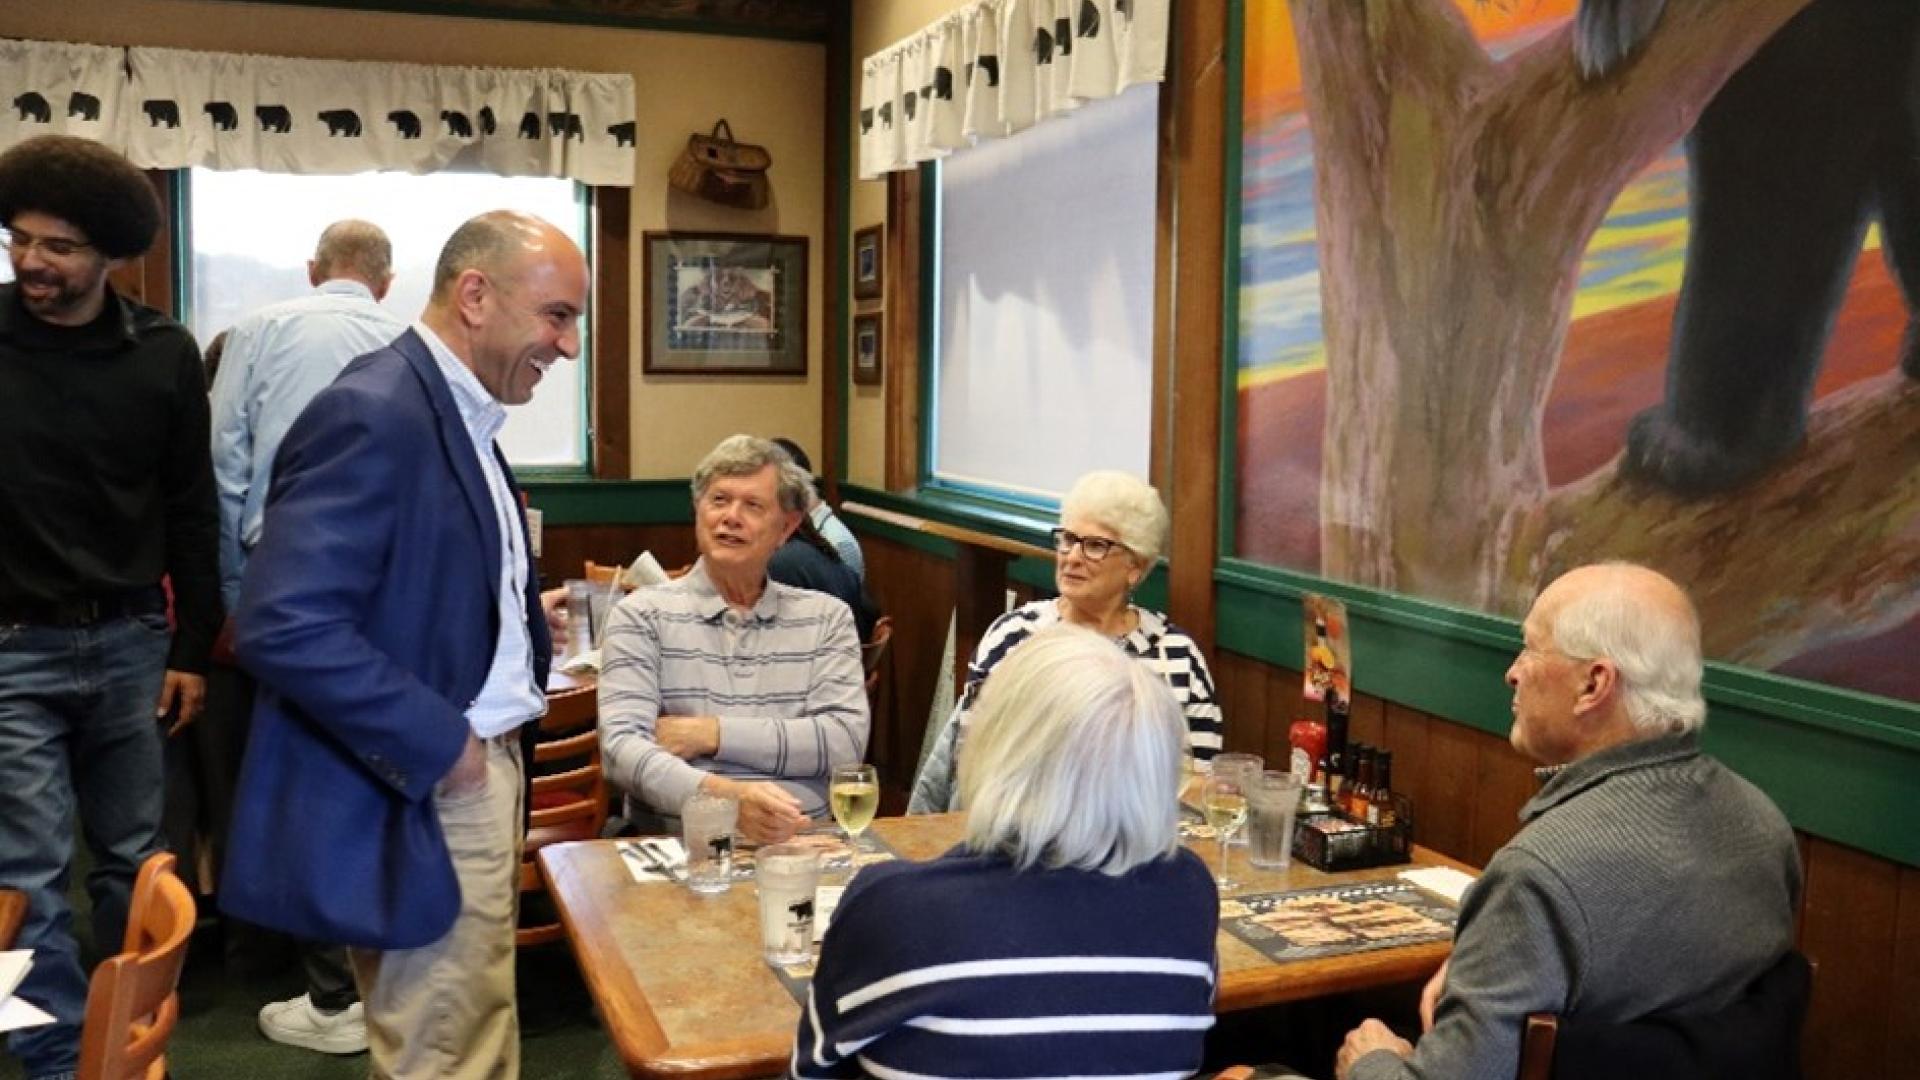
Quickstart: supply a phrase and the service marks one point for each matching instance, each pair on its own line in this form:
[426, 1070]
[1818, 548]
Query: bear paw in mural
[83, 106]
[33, 107]
[1772, 251]
[341, 122]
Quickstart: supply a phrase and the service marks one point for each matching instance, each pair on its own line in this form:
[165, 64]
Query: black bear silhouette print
[405, 122]
[622, 133]
[83, 106]
[341, 122]
[33, 107]
[277, 119]
[161, 111]
[487, 126]
[530, 126]
[224, 116]
[457, 123]
[565, 125]
[1089, 19]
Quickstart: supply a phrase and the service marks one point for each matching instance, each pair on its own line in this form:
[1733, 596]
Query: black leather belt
[85, 611]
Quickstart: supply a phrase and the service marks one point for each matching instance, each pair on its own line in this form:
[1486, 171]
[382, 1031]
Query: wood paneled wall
[1859, 916]
[565, 549]
[916, 590]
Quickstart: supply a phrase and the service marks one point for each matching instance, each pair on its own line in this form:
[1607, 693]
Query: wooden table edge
[645, 1052]
[13, 912]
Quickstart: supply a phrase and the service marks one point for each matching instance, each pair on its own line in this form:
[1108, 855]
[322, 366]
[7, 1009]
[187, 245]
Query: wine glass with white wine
[1225, 805]
[854, 793]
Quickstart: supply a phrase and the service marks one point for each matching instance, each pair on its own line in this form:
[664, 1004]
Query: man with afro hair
[107, 489]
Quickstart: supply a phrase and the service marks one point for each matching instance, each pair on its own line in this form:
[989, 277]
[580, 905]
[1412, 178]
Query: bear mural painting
[1480, 372]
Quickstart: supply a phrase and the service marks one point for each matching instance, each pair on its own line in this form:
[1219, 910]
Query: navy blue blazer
[369, 615]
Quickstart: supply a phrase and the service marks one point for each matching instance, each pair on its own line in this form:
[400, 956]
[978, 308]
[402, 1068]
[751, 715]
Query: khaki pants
[446, 1010]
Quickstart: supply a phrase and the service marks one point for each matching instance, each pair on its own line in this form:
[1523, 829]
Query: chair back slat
[132, 1003]
[568, 804]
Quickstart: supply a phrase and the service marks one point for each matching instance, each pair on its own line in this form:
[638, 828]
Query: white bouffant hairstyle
[1124, 503]
[1655, 645]
[1073, 757]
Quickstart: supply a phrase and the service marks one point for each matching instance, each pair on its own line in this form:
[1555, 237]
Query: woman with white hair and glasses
[1112, 529]
[1070, 934]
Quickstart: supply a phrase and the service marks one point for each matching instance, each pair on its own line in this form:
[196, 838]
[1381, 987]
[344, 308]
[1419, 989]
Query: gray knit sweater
[1649, 878]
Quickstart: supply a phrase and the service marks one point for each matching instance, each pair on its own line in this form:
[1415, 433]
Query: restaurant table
[13, 908]
[684, 993]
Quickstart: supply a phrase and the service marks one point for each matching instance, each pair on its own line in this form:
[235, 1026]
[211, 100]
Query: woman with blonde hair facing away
[1070, 934]
[1112, 529]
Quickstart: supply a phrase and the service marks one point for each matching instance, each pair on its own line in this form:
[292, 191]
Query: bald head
[508, 294]
[1645, 625]
[353, 249]
[498, 244]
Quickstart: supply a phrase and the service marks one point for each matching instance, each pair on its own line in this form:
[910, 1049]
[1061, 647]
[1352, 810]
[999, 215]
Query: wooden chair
[602, 575]
[1755, 1038]
[131, 1004]
[874, 652]
[13, 911]
[569, 804]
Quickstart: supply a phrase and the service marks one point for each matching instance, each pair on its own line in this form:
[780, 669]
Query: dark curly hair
[85, 185]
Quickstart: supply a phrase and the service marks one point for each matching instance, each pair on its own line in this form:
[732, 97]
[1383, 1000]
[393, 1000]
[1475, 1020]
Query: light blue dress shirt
[509, 697]
[276, 360]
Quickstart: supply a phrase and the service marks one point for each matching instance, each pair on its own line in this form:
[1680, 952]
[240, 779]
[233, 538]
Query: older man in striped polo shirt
[726, 682]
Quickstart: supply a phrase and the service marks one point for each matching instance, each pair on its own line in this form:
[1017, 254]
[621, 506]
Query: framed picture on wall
[866, 348]
[725, 304]
[869, 271]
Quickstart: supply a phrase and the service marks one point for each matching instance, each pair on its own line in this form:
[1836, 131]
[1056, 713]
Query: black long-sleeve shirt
[106, 479]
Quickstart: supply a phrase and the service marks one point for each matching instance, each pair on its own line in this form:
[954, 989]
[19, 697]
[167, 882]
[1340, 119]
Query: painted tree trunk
[1455, 197]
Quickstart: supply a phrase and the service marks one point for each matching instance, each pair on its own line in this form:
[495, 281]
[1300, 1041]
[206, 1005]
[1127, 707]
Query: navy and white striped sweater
[962, 967]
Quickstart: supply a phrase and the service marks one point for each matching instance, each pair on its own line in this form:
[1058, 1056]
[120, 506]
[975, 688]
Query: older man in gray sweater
[1648, 878]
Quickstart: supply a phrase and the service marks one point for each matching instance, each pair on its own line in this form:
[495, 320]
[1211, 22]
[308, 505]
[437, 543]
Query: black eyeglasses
[1094, 548]
[59, 247]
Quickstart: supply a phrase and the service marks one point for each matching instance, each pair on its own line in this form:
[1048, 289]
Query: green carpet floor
[561, 1037]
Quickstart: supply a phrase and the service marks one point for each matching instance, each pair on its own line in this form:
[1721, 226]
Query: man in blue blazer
[391, 614]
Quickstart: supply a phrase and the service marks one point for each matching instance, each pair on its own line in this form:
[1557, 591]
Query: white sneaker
[296, 1022]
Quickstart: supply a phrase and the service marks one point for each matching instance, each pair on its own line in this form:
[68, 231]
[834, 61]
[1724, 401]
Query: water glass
[579, 616]
[786, 876]
[1242, 767]
[1271, 802]
[707, 823]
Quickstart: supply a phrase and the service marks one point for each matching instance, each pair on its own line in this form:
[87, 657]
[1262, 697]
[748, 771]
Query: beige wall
[876, 25]
[772, 92]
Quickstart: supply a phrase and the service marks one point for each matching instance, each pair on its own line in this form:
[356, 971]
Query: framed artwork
[725, 304]
[866, 348]
[869, 270]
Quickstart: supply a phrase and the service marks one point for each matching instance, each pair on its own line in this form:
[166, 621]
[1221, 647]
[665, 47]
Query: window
[1044, 363]
[248, 236]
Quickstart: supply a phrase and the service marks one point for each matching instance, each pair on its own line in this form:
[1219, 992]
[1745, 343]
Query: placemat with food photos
[1332, 921]
[798, 977]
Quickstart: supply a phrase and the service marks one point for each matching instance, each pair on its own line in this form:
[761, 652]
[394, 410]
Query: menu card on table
[1310, 923]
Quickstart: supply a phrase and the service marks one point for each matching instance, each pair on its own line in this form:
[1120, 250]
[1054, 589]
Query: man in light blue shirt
[275, 361]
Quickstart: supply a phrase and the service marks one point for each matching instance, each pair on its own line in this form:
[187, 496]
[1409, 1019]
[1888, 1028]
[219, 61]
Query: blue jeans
[77, 728]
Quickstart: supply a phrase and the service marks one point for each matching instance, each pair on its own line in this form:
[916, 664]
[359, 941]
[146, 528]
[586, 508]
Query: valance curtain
[994, 67]
[170, 109]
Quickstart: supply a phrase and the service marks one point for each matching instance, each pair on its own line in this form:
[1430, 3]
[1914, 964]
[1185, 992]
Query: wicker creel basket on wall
[716, 168]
